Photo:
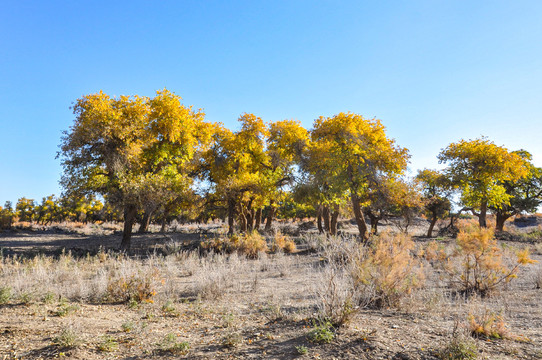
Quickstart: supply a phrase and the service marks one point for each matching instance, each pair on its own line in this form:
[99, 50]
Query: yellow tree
[478, 168]
[352, 152]
[285, 145]
[117, 146]
[233, 165]
[436, 193]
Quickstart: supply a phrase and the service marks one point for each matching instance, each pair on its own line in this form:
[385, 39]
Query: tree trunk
[130, 212]
[360, 220]
[431, 226]
[374, 221]
[242, 219]
[482, 218]
[163, 227]
[231, 216]
[250, 216]
[327, 220]
[319, 219]
[144, 225]
[334, 217]
[270, 215]
[258, 219]
[501, 219]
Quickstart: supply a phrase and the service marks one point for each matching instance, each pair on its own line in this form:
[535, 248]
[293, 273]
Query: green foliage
[65, 309]
[5, 295]
[301, 350]
[108, 344]
[127, 326]
[231, 339]
[169, 309]
[67, 339]
[322, 332]
[459, 348]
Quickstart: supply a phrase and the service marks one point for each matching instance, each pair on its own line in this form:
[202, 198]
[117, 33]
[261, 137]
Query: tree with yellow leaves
[349, 154]
[126, 148]
[478, 169]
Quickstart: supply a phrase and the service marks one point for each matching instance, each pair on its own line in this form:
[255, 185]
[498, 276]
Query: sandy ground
[265, 313]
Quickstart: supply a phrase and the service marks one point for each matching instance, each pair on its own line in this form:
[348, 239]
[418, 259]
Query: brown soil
[266, 315]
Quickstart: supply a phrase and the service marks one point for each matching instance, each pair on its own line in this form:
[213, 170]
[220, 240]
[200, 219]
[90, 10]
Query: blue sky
[433, 71]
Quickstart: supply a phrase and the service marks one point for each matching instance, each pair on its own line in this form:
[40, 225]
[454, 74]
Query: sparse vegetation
[322, 332]
[108, 344]
[67, 338]
[479, 265]
[231, 303]
[170, 344]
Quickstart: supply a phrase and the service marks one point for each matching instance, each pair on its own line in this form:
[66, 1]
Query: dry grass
[228, 305]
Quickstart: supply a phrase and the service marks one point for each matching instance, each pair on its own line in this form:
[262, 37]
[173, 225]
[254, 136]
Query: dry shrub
[488, 325]
[216, 274]
[336, 296]
[386, 271]
[250, 244]
[478, 264]
[282, 242]
[133, 288]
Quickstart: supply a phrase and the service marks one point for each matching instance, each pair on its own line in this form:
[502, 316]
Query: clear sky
[433, 71]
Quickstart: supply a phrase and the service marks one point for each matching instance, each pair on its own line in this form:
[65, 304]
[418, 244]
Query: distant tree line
[140, 159]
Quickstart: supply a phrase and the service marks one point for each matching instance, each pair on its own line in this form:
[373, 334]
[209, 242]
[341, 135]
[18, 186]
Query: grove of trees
[135, 158]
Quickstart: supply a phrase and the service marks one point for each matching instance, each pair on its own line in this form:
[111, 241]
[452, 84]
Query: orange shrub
[477, 265]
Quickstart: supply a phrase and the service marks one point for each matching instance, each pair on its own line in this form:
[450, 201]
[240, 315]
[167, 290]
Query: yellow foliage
[478, 264]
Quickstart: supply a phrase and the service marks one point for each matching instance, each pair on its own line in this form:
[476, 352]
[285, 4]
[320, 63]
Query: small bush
[336, 295]
[108, 344]
[231, 340]
[65, 309]
[301, 350]
[479, 265]
[134, 288]
[170, 344]
[5, 295]
[128, 326]
[322, 332]
[169, 309]
[249, 244]
[459, 348]
[67, 338]
[386, 271]
[488, 325]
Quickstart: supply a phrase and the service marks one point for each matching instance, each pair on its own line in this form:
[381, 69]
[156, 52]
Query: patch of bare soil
[243, 309]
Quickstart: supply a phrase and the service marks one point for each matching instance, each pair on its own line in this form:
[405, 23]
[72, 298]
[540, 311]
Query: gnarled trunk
[130, 212]
[360, 220]
[431, 226]
[500, 219]
[319, 219]
[144, 225]
[327, 220]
